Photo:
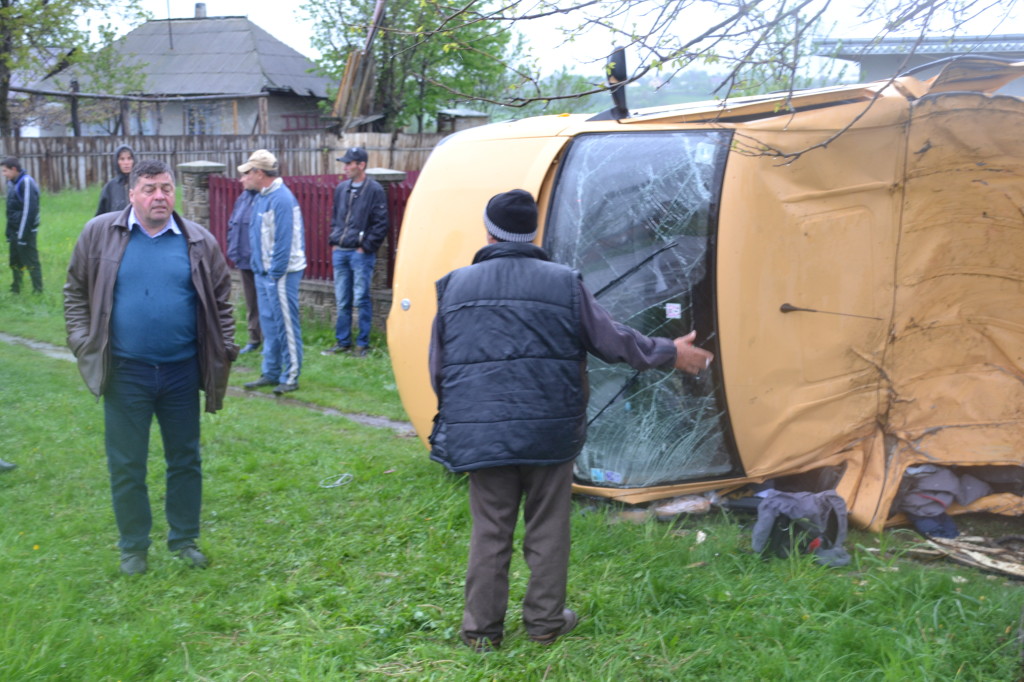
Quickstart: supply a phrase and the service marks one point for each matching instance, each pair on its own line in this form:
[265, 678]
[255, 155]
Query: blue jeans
[352, 274]
[279, 321]
[135, 392]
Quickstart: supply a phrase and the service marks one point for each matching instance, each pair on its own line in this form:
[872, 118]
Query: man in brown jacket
[148, 315]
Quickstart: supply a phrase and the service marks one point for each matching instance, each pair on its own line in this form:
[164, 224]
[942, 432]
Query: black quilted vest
[513, 389]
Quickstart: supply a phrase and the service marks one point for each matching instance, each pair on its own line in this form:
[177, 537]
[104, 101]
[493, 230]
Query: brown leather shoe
[571, 619]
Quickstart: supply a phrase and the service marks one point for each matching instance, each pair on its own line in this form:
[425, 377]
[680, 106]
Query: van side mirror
[616, 75]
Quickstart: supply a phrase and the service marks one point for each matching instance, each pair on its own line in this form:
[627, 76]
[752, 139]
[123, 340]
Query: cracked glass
[635, 213]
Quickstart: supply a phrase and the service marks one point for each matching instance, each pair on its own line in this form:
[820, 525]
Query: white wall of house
[208, 117]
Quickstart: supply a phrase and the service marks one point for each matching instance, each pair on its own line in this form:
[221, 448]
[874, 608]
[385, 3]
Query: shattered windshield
[636, 214]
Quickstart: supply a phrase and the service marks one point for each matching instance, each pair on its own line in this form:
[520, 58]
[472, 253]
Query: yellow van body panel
[888, 220]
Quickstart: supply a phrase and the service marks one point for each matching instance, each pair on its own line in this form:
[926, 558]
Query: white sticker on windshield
[673, 311]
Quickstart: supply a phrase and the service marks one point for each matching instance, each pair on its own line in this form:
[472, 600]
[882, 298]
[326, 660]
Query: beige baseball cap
[260, 159]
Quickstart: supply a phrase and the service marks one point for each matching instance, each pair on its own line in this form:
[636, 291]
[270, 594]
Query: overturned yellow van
[853, 256]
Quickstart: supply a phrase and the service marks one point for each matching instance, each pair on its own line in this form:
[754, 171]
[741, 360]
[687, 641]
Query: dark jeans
[353, 272]
[135, 392]
[25, 256]
[494, 496]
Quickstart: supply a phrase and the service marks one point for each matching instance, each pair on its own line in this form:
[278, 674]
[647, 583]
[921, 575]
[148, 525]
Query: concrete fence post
[194, 188]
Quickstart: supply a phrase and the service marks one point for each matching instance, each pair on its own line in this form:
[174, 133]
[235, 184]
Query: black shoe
[133, 562]
[570, 622]
[336, 349]
[281, 389]
[361, 351]
[481, 645]
[260, 383]
[192, 554]
[7, 466]
[249, 348]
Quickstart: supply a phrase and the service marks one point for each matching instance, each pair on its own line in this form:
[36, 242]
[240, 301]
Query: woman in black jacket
[114, 196]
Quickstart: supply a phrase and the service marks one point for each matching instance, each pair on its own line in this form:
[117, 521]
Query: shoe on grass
[191, 554]
[361, 351]
[133, 562]
[7, 466]
[260, 383]
[281, 389]
[481, 645]
[336, 349]
[571, 619]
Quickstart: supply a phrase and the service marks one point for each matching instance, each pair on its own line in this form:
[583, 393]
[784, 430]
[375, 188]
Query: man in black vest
[508, 362]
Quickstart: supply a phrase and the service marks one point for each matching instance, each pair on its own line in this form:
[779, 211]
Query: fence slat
[315, 194]
[59, 163]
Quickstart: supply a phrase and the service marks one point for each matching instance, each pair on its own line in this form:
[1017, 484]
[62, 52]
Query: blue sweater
[154, 311]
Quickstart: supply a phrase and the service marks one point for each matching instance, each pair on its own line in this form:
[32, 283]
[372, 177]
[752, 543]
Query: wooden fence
[59, 163]
[315, 195]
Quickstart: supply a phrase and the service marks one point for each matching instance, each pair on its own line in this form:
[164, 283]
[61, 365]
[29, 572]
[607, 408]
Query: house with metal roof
[215, 76]
[884, 58]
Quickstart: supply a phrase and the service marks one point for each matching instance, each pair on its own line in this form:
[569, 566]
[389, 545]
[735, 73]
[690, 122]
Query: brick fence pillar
[194, 184]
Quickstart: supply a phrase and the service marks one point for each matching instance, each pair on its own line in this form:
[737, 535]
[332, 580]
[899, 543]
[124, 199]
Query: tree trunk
[6, 127]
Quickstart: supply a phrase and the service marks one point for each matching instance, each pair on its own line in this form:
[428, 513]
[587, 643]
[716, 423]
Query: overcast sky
[281, 19]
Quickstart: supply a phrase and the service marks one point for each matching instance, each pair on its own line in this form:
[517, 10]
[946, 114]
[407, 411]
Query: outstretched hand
[689, 358]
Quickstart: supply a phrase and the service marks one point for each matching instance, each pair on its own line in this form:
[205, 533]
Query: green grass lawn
[364, 581]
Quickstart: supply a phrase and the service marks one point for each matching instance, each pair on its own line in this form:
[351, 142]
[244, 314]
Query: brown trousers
[494, 497]
[252, 308]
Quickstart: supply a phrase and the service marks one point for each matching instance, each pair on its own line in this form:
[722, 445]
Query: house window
[307, 121]
[200, 119]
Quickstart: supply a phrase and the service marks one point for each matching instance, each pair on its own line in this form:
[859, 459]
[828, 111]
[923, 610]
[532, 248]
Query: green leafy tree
[553, 94]
[751, 45]
[425, 58]
[38, 37]
[103, 70]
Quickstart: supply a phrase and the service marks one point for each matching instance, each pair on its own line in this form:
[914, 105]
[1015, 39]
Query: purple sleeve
[614, 342]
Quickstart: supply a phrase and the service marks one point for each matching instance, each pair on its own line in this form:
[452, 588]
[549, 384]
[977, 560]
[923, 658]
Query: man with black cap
[508, 362]
[359, 223]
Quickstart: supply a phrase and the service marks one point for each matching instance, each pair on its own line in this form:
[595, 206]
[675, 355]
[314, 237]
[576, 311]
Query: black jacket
[114, 196]
[513, 388]
[22, 207]
[359, 217]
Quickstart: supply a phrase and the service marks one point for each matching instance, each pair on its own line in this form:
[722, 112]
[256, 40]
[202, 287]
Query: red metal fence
[315, 194]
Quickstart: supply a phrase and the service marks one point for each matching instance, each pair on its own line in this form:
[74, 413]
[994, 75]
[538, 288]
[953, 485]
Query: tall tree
[39, 36]
[754, 45]
[103, 70]
[417, 71]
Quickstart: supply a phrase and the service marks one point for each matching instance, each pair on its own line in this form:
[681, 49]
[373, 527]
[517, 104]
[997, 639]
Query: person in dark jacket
[114, 196]
[147, 307]
[240, 253]
[22, 224]
[359, 224]
[508, 362]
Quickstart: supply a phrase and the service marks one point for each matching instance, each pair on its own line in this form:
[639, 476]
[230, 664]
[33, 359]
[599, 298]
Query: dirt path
[401, 428]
